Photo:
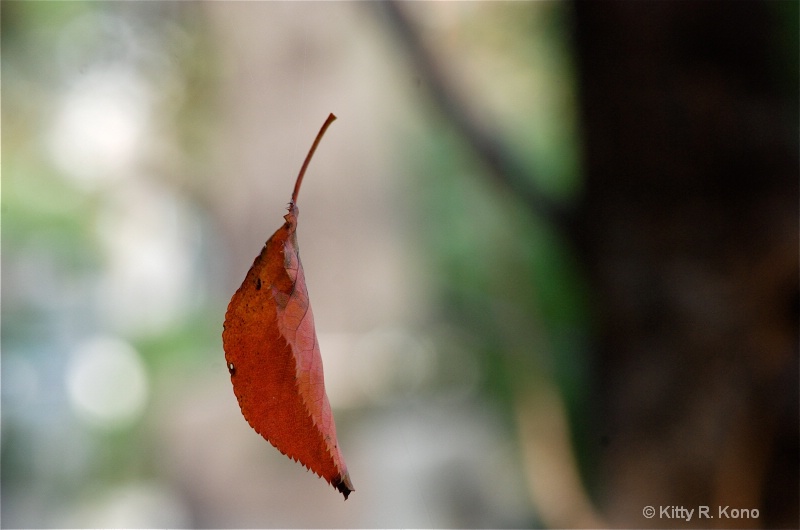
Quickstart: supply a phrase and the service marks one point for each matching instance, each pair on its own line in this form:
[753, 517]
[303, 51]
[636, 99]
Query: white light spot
[107, 382]
[135, 505]
[148, 240]
[101, 123]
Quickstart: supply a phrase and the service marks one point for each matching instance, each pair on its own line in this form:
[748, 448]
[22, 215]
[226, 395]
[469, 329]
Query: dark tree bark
[689, 228]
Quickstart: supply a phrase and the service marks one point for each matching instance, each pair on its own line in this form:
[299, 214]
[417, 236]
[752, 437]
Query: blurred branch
[505, 168]
[551, 468]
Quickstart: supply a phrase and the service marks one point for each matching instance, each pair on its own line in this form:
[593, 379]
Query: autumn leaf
[273, 355]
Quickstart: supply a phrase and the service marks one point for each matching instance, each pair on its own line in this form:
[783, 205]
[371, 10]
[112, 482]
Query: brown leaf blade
[273, 356]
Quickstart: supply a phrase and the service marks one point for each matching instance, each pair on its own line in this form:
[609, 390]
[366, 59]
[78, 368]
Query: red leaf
[273, 355]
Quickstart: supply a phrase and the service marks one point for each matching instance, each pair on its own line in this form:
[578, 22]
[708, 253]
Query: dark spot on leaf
[258, 284]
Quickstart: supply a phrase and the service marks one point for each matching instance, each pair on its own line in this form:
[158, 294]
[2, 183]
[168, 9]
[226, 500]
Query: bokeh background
[551, 249]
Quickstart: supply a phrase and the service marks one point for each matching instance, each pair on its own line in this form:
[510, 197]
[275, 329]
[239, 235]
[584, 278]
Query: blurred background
[552, 251]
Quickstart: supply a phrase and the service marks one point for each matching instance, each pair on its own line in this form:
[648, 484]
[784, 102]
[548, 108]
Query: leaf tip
[345, 486]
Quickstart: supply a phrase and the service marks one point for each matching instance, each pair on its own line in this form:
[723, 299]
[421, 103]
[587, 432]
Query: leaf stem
[321, 132]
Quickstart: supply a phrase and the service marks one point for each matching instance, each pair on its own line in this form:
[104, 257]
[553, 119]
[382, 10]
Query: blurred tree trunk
[689, 227]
